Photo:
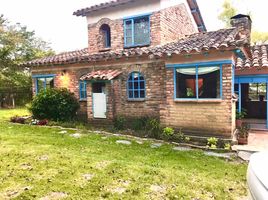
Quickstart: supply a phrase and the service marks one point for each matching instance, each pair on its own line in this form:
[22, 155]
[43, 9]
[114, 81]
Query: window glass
[186, 83]
[141, 31]
[44, 83]
[83, 89]
[137, 31]
[198, 82]
[136, 86]
[256, 91]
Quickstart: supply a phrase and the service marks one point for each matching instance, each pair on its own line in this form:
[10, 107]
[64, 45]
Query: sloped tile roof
[101, 75]
[84, 11]
[259, 58]
[196, 43]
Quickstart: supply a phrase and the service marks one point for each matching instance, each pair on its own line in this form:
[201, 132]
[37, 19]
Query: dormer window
[106, 35]
[137, 31]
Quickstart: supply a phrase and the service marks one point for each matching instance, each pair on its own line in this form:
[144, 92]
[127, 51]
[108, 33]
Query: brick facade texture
[167, 25]
[206, 118]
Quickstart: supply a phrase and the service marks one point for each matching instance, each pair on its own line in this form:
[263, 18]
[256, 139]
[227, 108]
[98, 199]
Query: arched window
[136, 86]
[106, 35]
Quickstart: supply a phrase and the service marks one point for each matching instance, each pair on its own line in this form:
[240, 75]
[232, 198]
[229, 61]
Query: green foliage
[120, 123]
[167, 131]
[243, 131]
[228, 11]
[18, 45]
[212, 142]
[259, 37]
[227, 146]
[242, 114]
[54, 104]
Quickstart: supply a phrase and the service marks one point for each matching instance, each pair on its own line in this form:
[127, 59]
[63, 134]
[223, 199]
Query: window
[44, 83]
[256, 91]
[198, 82]
[136, 86]
[106, 35]
[137, 31]
[82, 90]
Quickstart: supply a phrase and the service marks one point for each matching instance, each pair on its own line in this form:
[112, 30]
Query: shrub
[227, 146]
[54, 104]
[120, 123]
[168, 131]
[212, 142]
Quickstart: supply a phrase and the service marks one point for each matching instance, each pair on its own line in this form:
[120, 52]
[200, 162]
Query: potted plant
[239, 117]
[242, 134]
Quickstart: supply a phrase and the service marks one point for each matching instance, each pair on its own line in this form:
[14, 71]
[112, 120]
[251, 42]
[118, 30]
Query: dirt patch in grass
[55, 196]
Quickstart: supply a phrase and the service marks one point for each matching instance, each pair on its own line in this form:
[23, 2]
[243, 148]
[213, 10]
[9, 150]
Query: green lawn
[38, 162]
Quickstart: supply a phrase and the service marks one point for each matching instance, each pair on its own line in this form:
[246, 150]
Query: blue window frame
[82, 90]
[136, 86]
[137, 31]
[42, 82]
[198, 82]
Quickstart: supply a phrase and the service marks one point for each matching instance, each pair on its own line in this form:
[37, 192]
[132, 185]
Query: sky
[52, 20]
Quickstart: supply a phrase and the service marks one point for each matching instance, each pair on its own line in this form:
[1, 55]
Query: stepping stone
[158, 189]
[119, 190]
[182, 149]
[156, 145]
[104, 138]
[245, 155]
[43, 158]
[219, 155]
[123, 142]
[88, 176]
[76, 135]
[139, 142]
[63, 132]
[54, 195]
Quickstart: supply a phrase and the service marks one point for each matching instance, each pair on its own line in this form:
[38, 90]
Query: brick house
[154, 58]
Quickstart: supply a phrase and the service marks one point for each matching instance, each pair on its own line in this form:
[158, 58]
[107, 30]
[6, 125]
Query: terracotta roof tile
[84, 11]
[259, 58]
[196, 43]
[101, 75]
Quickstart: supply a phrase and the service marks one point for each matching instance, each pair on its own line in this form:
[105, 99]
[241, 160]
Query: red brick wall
[167, 25]
[175, 23]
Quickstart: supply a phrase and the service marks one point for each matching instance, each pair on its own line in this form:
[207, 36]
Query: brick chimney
[243, 23]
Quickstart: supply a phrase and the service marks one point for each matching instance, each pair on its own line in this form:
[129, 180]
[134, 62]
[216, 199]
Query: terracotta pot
[242, 140]
[238, 123]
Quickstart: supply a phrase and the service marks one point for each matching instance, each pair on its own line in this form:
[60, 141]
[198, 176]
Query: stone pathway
[126, 142]
[219, 155]
[156, 145]
[54, 196]
[182, 149]
[76, 135]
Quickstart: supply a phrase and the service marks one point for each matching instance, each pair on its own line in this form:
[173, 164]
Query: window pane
[142, 85]
[136, 94]
[130, 94]
[49, 82]
[40, 84]
[136, 85]
[256, 91]
[209, 82]
[141, 31]
[186, 83]
[142, 94]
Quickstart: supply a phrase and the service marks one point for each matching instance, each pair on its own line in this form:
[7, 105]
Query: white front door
[99, 105]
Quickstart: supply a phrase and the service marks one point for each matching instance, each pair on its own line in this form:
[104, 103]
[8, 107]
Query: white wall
[135, 8]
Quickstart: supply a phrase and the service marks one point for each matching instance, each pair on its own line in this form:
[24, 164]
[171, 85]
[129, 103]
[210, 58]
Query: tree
[229, 11]
[17, 45]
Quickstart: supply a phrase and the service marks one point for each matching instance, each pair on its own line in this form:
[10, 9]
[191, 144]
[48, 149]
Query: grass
[37, 161]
